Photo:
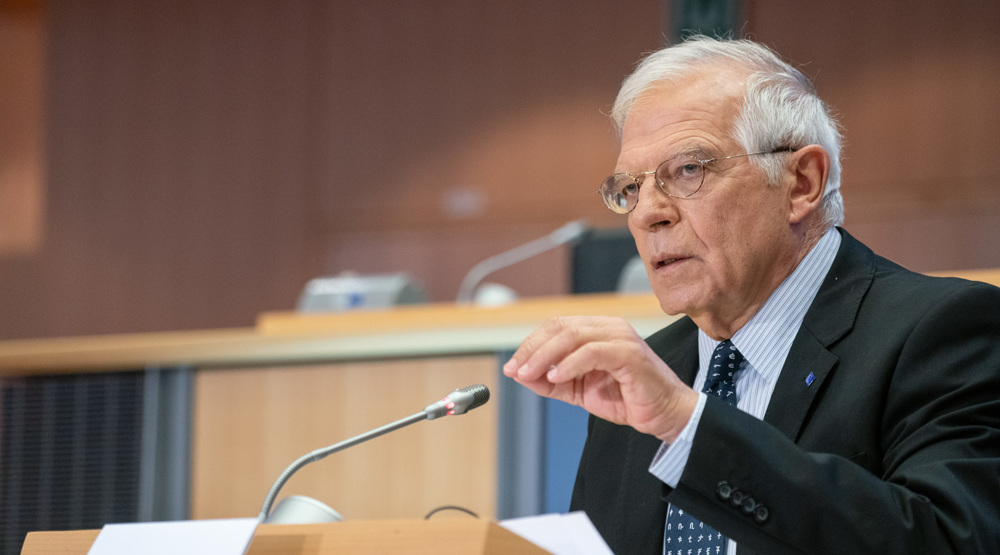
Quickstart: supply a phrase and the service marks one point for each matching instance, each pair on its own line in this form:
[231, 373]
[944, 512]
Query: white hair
[780, 105]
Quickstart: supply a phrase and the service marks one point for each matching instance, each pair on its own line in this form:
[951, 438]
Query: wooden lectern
[405, 537]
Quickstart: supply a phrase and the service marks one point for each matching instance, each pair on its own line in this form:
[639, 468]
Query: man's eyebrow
[698, 152]
[694, 151]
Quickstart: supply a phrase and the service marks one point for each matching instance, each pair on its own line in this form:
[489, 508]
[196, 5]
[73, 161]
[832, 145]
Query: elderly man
[816, 398]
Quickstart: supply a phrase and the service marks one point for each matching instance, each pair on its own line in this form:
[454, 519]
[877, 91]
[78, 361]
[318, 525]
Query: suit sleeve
[900, 453]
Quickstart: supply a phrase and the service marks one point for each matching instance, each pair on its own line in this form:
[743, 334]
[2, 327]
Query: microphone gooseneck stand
[457, 402]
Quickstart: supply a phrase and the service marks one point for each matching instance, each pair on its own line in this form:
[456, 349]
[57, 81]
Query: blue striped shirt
[764, 341]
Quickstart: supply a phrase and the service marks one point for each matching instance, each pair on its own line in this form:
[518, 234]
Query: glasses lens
[680, 177]
[620, 192]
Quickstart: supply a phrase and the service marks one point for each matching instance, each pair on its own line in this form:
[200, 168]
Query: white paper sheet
[186, 537]
[561, 534]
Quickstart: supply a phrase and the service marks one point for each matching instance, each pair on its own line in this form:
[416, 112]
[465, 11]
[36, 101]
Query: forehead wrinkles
[664, 132]
[692, 110]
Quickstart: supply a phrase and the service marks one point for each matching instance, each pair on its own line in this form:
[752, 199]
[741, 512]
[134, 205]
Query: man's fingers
[559, 338]
[602, 365]
[608, 356]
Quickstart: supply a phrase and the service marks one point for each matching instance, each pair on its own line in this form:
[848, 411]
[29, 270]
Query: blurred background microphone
[299, 509]
[491, 293]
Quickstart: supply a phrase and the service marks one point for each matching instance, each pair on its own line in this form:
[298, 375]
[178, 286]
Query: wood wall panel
[915, 85]
[205, 159]
[22, 182]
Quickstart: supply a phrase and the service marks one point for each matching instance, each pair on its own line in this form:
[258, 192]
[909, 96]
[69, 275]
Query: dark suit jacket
[893, 448]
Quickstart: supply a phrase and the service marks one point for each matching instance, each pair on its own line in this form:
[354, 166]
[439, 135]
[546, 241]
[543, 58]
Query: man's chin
[670, 305]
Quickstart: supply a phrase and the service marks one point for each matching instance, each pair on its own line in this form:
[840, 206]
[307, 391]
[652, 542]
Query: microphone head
[480, 395]
[459, 401]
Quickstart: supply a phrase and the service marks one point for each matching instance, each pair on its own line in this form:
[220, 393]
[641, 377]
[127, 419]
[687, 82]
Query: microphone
[457, 402]
[565, 234]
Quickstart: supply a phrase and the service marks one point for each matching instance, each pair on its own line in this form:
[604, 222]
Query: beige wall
[203, 160]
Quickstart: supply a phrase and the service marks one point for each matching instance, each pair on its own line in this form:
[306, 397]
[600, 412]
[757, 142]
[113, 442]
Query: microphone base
[299, 509]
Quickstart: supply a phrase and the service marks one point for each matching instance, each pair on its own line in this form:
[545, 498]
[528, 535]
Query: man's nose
[653, 208]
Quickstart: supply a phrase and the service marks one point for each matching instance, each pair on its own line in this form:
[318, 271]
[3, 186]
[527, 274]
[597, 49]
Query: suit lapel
[679, 349]
[830, 317]
[802, 377]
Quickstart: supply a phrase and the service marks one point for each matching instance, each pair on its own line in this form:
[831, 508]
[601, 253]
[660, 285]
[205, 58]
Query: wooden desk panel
[250, 424]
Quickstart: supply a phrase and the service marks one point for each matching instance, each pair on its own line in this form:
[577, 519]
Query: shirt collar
[766, 338]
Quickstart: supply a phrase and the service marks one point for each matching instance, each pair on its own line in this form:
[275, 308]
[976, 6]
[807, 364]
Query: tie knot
[726, 362]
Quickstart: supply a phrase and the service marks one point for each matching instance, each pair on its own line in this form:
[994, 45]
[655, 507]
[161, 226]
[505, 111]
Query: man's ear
[810, 170]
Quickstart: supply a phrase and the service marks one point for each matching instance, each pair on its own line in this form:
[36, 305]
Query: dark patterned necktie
[684, 534]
